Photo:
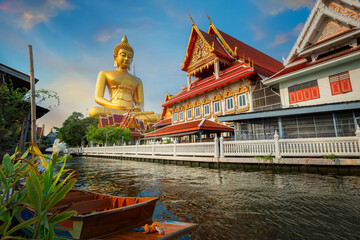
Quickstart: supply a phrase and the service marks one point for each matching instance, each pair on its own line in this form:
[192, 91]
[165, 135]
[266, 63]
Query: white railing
[300, 147]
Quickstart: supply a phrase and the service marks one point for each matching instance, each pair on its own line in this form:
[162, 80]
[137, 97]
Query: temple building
[224, 77]
[319, 85]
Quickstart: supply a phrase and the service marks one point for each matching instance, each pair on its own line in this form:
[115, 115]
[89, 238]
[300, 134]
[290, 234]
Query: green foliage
[14, 108]
[108, 134]
[331, 156]
[150, 130]
[269, 157]
[74, 128]
[41, 192]
[44, 141]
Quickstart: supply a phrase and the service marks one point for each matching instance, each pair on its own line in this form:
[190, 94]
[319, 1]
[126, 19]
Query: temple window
[340, 83]
[175, 117]
[217, 107]
[229, 104]
[181, 116]
[189, 114]
[242, 100]
[304, 92]
[206, 109]
[197, 111]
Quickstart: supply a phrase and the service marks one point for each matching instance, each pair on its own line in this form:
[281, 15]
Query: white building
[320, 83]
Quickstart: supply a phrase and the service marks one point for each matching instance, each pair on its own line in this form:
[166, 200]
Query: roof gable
[326, 20]
[196, 42]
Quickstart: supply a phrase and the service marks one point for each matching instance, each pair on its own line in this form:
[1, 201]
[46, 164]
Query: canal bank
[307, 165]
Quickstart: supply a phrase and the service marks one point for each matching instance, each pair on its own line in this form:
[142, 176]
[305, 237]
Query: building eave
[313, 68]
[292, 111]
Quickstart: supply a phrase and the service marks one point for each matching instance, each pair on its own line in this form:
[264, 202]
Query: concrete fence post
[216, 142]
[114, 148]
[357, 134]
[175, 148]
[136, 148]
[124, 149]
[153, 149]
[277, 145]
[222, 147]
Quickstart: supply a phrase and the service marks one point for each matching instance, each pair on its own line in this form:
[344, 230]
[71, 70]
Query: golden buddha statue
[125, 90]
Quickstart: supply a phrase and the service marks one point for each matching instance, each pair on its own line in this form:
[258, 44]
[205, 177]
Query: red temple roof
[190, 127]
[306, 65]
[163, 123]
[237, 71]
[265, 62]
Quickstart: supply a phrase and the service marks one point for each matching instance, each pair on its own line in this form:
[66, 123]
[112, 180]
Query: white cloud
[273, 7]
[284, 37]
[259, 34]
[29, 13]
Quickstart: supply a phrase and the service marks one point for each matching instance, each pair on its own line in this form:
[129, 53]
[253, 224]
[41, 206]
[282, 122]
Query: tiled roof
[163, 123]
[218, 49]
[136, 134]
[190, 127]
[110, 119]
[103, 122]
[305, 65]
[118, 118]
[265, 62]
[232, 73]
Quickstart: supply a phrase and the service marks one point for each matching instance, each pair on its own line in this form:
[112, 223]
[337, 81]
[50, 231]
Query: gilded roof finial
[208, 17]
[192, 20]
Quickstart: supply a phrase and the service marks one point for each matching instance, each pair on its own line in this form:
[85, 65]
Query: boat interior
[87, 202]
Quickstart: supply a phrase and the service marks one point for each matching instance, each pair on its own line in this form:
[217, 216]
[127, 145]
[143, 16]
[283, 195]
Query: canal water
[234, 204]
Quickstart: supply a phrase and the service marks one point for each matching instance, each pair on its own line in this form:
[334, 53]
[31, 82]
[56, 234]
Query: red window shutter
[335, 87]
[292, 97]
[299, 95]
[345, 85]
[315, 92]
[307, 94]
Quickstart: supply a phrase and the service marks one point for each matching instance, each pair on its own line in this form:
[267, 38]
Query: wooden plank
[75, 199]
[172, 230]
[86, 206]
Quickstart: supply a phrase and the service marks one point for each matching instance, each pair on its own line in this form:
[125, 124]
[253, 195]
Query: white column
[217, 68]
[175, 148]
[216, 142]
[357, 134]
[251, 103]
[277, 145]
[221, 147]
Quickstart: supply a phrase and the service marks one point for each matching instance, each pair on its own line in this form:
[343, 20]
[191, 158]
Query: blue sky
[73, 40]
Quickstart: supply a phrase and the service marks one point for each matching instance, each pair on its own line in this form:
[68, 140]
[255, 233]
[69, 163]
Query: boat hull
[120, 214]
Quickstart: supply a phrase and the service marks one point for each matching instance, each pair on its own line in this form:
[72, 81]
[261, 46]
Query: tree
[73, 130]
[108, 134]
[14, 108]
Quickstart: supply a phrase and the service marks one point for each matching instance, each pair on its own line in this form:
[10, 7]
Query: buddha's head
[123, 54]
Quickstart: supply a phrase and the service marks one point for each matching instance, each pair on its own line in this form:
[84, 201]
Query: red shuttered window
[340, 83]
[304, 92]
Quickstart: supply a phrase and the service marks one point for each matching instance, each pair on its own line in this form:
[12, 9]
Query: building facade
[320, 82]
[223, 78]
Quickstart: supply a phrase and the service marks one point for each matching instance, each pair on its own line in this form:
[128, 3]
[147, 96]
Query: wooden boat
[98, 214]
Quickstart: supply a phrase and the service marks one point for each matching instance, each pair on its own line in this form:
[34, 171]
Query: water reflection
[234, 204]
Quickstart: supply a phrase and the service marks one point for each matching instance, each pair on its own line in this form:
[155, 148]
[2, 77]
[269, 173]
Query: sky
[73, 40]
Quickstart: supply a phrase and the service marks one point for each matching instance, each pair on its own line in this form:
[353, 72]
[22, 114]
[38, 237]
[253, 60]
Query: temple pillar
[217, 68]
[189, 82]
[251, 102]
